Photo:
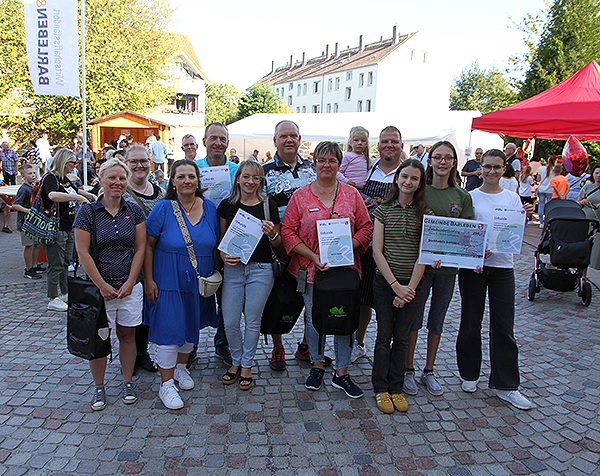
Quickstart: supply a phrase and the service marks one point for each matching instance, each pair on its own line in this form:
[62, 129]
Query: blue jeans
[246, 289]
[544, 198]
[442, 287]
[220, 339]
[391, 345]
[342, 345]
[504, 354]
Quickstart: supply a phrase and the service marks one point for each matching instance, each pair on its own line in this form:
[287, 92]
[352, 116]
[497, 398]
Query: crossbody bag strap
[186, 235]
[139, 202]
[268, 218]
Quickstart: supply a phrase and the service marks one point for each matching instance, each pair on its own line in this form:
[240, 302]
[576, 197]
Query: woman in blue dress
[174, 310]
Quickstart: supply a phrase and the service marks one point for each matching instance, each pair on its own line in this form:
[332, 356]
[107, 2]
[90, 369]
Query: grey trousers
[59, 256]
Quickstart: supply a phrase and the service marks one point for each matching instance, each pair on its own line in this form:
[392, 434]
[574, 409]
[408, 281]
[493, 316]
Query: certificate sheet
[457, 242]
[218, 181]
[335, 242]
[242, 236]
[506, 235]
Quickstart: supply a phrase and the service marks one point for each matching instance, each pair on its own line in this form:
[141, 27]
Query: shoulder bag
[206, 286]
[41, 224]
[88, 334]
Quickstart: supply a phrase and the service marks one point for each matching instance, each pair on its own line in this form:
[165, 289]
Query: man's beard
[389, 158]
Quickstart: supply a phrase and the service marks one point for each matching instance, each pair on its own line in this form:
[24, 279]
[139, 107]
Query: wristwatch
[274, 237]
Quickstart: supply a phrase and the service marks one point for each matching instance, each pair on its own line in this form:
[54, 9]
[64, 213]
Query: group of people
[153, 246]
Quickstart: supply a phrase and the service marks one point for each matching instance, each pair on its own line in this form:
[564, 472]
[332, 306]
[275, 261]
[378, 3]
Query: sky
[235, 40]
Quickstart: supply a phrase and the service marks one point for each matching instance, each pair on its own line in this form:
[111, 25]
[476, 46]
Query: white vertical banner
[51, 32]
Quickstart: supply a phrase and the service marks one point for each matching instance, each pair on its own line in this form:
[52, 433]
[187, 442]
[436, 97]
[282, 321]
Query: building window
[277, 91]
[337, 84]
[316, 87]
[330, 84]
[368, 106]
[412, 54]
[291, 86]
[303, 109]
[348, 94]
[329, 107]
[299, 89]
[349, 76]
[282, 92]
[361, 80]
[316, 108]
[359, 106]
[424, 56]
[304, 89]
[298, 109]
[336, 107]
[289, 100]
[370, 78]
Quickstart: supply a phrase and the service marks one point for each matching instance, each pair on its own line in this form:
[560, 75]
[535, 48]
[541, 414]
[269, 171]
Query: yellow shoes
[384, 402]
[400, 403]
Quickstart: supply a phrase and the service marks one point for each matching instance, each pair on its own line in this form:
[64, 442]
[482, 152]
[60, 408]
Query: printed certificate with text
[335, 242]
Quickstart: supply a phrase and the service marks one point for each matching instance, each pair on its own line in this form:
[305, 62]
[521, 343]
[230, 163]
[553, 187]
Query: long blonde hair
[360, 131]
[525, 173]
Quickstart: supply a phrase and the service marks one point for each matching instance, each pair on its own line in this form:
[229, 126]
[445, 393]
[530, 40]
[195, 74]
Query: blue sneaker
[433, 386]
[410, 384]
[315, 379]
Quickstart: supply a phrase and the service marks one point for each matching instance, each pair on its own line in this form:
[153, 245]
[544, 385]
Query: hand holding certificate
[458, 243]
[218, 182]
[242, 236]
[335, 242]
[506, 235]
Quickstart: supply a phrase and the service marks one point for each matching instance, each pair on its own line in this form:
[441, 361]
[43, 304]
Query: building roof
[347, 59]
[139, 118]
[183, 46]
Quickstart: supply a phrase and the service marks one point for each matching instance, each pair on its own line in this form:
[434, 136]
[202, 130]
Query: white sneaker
[184, 379]
[469, 386]
[515, 398]
[64, 298]
[57, 305]
[358, 351]
[170, 396]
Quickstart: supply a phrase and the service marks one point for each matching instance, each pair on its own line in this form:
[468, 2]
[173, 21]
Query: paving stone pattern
[47, 426]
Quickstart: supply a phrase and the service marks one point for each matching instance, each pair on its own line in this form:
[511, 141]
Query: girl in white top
[355, 163]
[526, 185]
[497, 280]
[544, 191]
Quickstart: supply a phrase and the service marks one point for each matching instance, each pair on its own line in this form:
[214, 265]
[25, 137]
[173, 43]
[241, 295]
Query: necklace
[187, 212]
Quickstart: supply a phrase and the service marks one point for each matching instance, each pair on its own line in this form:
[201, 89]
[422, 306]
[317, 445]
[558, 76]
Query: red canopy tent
[571, 108]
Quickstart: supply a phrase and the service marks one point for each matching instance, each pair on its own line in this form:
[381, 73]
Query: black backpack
[283, 308]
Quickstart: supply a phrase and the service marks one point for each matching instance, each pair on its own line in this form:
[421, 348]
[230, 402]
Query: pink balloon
[575, 157]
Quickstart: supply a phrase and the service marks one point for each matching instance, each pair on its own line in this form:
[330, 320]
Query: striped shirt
[401, 238]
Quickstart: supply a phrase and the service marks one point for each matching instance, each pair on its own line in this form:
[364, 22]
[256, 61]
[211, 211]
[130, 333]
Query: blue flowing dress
[180, 312]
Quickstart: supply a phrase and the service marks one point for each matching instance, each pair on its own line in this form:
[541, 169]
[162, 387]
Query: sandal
[245, 383]
[231, 377]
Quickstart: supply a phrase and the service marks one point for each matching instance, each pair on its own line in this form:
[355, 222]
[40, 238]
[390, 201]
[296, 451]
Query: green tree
[485, 90]
[569, 40]
[260, 98]
[221, 103]
[127, 48]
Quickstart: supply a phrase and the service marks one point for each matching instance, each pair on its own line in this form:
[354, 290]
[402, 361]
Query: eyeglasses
[254, 178]
[72, 162]
[478, 153]
[327, 161]
[135, 162]
[488, 168]
[438, 159]
[188, 146]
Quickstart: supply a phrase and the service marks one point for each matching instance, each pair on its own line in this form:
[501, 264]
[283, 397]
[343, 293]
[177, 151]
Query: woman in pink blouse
[323, 199]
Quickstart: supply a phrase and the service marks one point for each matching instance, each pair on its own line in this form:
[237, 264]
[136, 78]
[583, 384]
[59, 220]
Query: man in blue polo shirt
[216, 141]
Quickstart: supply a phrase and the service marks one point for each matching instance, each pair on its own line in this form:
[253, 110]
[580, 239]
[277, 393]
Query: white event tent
[256, 131]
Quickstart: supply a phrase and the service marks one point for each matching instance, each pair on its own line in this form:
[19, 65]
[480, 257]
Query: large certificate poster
[335, 242]
[506, 235]
[242, 236]
[218, 181]
[458, 243]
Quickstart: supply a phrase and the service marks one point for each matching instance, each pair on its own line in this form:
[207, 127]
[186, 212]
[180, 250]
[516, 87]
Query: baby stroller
[567, 238]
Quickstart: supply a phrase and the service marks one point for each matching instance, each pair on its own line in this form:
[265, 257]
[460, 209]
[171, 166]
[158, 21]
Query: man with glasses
[472, 170]
[216, 141]
[285, 173]
[420, 153]
[510, 150]
[189, 147]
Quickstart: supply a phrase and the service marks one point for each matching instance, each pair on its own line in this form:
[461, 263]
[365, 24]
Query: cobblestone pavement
[47, 425]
